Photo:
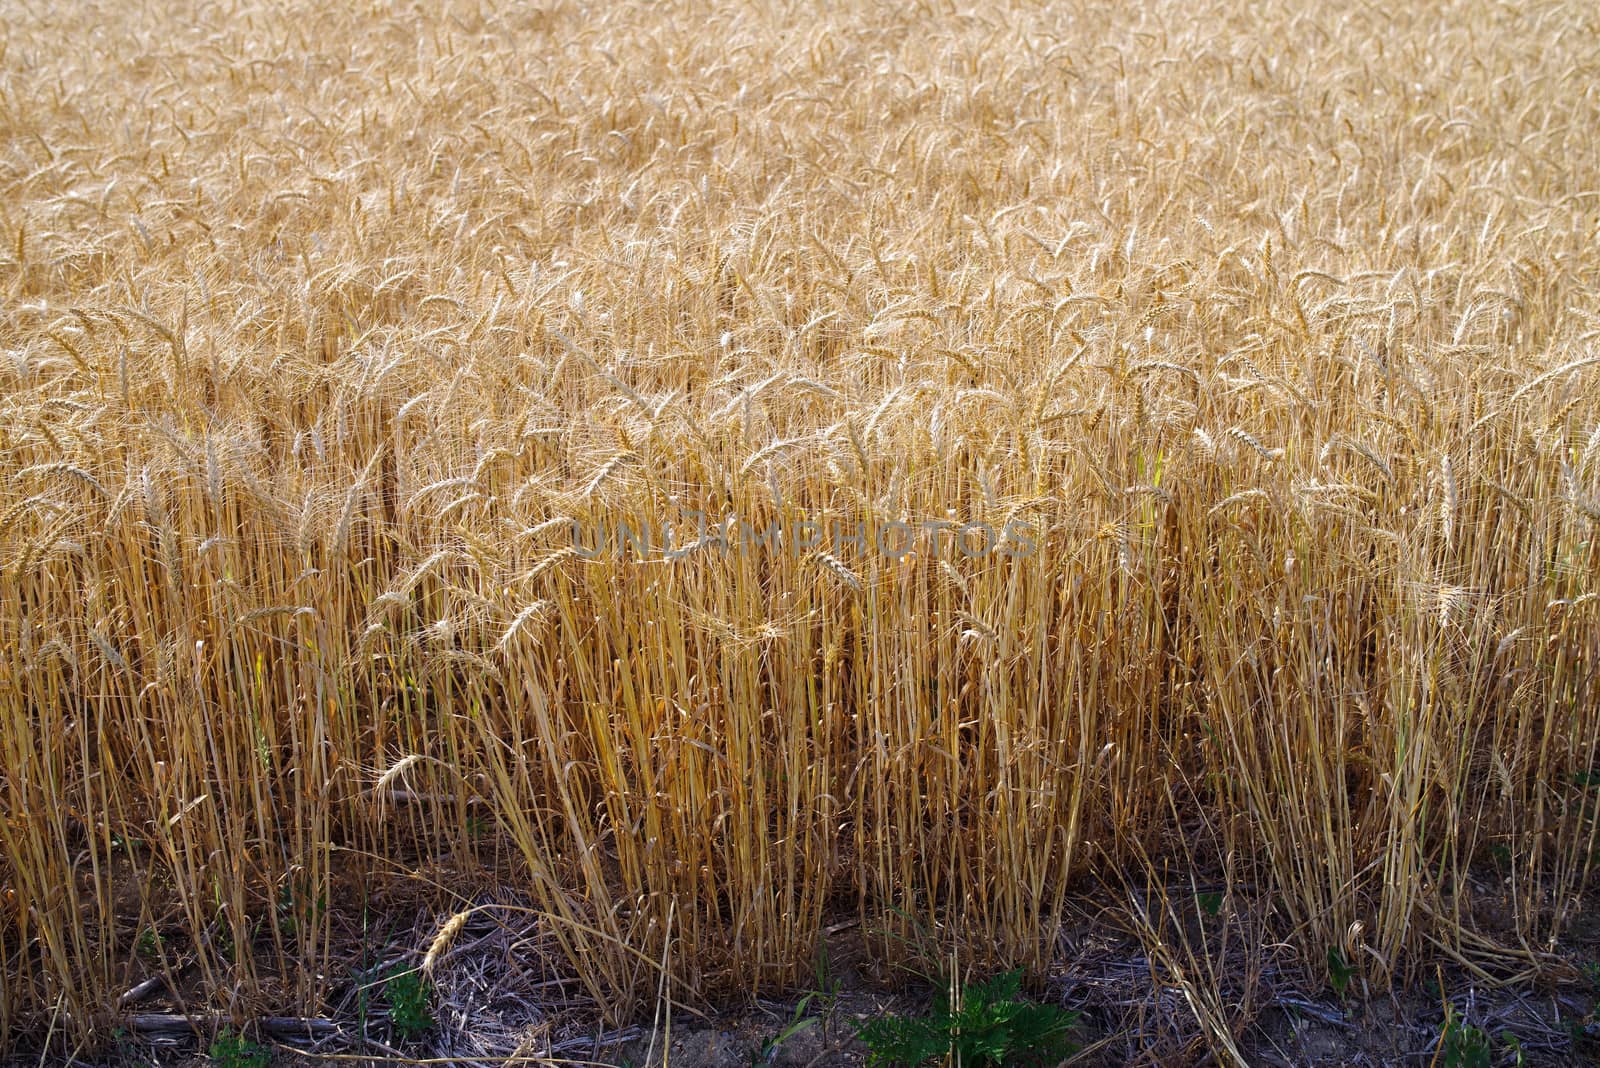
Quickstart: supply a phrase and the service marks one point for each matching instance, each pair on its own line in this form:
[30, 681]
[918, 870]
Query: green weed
[989, 1026]
[232, 1050]
[407, 992]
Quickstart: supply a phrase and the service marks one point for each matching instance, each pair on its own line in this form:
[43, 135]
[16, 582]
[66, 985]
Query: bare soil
[498, 999]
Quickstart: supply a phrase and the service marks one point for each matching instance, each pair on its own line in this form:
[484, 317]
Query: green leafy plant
[407, 992]
[1462, 1045]
[296, 906]
[126, 1047]
[762, 1056]
[826, 985]
[988, 1026]
[233, 1050]
[1513, 1045]
[1340, 971]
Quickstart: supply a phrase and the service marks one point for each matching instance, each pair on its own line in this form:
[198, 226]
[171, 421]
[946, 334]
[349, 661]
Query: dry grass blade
[690, 469]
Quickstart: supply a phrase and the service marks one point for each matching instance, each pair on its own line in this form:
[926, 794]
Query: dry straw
[310, 365]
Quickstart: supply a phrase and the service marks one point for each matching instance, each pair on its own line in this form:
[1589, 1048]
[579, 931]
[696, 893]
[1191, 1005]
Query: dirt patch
[496, 997]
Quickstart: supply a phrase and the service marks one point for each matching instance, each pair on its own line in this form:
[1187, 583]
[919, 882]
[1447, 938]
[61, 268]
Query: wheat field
[1056, 444]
